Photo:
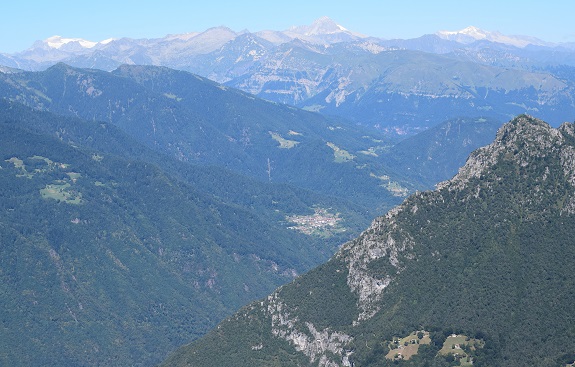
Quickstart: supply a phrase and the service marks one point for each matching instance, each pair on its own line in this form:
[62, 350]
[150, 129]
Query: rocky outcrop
[313, 343]
[384, 239]
[523, 139]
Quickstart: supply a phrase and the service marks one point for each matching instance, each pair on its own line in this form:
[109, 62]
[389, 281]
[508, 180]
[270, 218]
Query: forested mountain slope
[478, 271]
[435, 155]
[113, 254]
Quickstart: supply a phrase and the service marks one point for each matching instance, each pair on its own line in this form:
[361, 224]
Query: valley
[306, 197]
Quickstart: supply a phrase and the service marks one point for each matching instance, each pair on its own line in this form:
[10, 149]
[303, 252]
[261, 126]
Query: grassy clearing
[51, 165]
[370, 152]
[19, 164]
[374, 151]
[172, 96]
[48, 161]
[284, 143]
[460, 346]
[26, 171]
[393, 187]
[74, 176]
[396, 189]
[405, 352]
[61, 192]
[340, 155]
[382, 178]
[406, 347]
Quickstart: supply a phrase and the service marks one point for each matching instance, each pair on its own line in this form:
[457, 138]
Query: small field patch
[393, 187]
[461, 347]
[61, 192]
[340, 155]
[374, 151]
[284, 143]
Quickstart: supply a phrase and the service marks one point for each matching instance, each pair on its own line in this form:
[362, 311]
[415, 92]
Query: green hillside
[482, 267]
[113, 254]
[196, 120]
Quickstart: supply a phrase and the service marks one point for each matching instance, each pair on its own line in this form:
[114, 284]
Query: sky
[23, 22]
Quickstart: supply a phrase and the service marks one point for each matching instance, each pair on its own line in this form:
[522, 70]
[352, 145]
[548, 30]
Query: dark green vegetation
[113, 254]
[488, 255]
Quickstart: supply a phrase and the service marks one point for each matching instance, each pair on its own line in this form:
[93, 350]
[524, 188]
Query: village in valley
[321, 223]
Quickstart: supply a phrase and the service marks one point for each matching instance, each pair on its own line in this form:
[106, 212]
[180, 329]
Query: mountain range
[154, 186]
[476, 272]
[473, 34]
[401, 86]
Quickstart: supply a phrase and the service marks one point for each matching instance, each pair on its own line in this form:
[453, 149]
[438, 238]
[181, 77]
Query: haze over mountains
[198, 121]
[399, 85]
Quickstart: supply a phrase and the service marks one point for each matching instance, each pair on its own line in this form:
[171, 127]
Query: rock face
[487, 255]
[386, 240]
[526, 139]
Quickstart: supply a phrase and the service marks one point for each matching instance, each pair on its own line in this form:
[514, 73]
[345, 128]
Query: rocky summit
[477, 272]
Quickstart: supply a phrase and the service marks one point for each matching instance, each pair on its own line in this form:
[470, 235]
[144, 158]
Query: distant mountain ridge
[323, 31]
[69, 44]
[472, 34]
[397, 85]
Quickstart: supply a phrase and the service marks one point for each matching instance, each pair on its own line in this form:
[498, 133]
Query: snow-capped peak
[57, 42]
[321, 26]
[472, 34]
[324, 25]
[106, 41]
[470, 31]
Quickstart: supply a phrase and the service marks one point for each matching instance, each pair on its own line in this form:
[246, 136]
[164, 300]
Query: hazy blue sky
[22, 22]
